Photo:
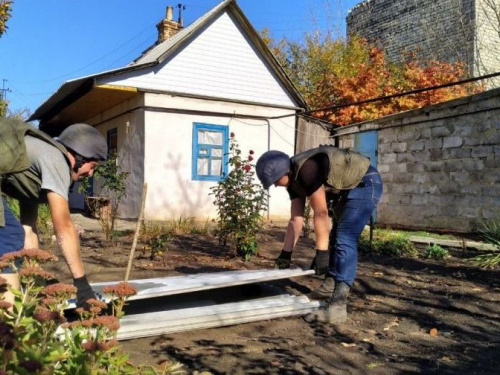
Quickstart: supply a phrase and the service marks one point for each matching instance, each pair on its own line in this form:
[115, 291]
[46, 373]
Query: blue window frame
[210, 152]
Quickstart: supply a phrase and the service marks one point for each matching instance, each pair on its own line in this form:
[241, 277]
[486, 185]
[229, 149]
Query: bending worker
[34, 168]
[326, 175]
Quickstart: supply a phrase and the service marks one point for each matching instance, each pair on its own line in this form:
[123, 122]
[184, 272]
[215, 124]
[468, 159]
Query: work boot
[284, 260]
[320, 262]
[335, 310]
[325, 290]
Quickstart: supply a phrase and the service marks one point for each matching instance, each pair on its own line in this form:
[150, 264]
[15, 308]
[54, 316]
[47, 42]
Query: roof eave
[60, 99]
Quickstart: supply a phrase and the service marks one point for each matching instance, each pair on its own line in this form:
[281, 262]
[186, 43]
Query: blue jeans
[11, 235]
[351, 213]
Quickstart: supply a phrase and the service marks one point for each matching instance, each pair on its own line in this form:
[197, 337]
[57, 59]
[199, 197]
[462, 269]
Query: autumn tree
[330, 72]
[5, 14]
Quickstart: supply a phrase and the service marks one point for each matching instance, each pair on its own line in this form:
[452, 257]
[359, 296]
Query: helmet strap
[79, 161]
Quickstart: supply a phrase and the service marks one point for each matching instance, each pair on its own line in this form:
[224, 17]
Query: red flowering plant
[119, 294]
[240, 201]
[35, 336]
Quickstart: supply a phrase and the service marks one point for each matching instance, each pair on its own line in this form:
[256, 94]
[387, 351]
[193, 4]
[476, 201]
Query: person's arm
[317, 200]
[66, 233]
[294, 224]
[29, 217]
[69, 243]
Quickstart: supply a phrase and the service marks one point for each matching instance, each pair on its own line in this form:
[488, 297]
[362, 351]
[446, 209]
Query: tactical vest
[19, 181]
[347, 168]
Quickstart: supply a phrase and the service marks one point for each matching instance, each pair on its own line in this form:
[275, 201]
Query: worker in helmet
[336, 181]
[34, 168]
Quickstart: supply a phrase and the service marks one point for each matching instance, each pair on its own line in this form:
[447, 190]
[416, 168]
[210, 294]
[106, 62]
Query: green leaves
[239, 202]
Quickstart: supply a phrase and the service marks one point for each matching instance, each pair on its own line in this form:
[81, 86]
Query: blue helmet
[271, 166]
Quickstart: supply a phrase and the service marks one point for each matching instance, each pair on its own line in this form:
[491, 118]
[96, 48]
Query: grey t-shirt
[51, 165]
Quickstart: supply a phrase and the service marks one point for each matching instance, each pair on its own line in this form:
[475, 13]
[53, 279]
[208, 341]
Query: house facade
[169, 114]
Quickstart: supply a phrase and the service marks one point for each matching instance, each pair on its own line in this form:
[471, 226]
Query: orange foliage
[375, 78]
[330, 72]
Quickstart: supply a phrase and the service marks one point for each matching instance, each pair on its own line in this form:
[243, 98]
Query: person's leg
[12, 234]
[11, 239]
[356, 214]
[359, 206]
[326, 288]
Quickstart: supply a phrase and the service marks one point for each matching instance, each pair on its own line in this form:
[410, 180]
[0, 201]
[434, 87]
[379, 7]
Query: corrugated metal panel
[221, 61]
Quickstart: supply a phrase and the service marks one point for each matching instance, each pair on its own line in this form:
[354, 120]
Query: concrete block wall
[440, 164]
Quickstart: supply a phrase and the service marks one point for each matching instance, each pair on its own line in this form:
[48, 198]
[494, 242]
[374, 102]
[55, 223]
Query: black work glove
[84, 291]
[284, 260]
[320, 262]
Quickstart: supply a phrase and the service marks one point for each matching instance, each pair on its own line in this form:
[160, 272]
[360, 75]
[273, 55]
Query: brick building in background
[444, 30]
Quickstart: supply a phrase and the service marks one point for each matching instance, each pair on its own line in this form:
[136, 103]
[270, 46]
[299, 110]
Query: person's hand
[284, 260]
[84, 291]
[320, 262]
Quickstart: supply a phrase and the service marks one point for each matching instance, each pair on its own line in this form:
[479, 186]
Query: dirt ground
[406, 315]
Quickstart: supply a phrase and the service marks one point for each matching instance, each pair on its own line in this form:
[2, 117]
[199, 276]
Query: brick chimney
[168, 27]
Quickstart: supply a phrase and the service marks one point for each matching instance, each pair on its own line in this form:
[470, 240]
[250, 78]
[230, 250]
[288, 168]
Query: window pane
[209, 137]
[216, 169]
[217, 152]
[202, 167]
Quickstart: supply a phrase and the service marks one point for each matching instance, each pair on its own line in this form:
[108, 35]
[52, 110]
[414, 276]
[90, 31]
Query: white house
[169, 113]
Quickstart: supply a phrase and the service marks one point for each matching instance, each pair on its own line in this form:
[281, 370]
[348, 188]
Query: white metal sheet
[165, 286]
[164, 322]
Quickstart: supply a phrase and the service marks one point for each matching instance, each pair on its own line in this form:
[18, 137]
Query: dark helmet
[85, 140]
[271, 166]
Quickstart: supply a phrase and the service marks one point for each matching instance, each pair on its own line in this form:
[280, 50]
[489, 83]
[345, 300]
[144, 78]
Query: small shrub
[387, 243]
[490, 233]
[239, 202]
[113, 187]
[437, 252]
[158, 244]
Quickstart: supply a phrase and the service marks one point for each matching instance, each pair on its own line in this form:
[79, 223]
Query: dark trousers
[12, 234]
[351, 212]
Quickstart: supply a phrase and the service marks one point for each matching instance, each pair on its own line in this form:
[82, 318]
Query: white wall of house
[219, 62]
[172, 192]
[130, 130]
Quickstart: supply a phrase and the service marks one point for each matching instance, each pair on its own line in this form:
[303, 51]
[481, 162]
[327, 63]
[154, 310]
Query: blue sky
[51, 41]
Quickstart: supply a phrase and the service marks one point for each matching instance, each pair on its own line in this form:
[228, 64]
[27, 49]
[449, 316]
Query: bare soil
[406, 315]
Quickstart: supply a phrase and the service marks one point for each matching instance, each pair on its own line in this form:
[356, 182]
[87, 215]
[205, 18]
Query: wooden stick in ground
[137, 230]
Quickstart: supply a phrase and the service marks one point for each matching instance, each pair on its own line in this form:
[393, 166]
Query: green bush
[157, 244]
[239, 202]
[387, 243]
[435, 251]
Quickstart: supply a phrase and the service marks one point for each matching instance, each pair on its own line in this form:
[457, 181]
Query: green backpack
[14, 157]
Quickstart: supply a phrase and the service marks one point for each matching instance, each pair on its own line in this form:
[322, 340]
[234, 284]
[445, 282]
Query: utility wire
[379, 98]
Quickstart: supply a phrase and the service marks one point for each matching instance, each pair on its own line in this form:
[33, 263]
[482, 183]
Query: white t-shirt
[50, 165]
